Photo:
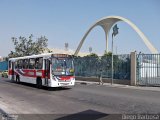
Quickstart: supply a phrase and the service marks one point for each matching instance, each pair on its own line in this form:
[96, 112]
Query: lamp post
[66, 45]
[112, 62]
[115, 32]
[90, 50]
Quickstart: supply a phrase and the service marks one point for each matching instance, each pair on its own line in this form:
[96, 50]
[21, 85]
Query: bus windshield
[62, 66]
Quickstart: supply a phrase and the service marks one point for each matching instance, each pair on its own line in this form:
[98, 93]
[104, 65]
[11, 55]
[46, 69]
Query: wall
[3, 65]
[105, 80]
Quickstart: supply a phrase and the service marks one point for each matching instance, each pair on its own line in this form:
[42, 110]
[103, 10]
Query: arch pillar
[106, 28]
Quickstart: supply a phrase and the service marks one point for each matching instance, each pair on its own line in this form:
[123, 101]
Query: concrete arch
[106, 23]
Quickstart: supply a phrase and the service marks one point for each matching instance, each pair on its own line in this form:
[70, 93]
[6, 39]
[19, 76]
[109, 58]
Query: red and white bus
[51, 70]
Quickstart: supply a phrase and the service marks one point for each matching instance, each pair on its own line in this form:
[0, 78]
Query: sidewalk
[120, 85]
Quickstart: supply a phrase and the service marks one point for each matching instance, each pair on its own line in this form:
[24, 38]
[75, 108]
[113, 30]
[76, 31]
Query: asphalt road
[97, 101]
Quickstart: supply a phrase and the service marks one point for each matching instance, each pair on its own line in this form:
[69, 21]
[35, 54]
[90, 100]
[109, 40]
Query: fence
[148, 69]
[95, 66]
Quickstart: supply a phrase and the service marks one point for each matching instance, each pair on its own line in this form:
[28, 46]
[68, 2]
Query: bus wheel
[17, 79]
[39, 83]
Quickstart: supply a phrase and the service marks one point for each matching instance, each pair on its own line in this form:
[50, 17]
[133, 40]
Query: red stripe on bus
[30, 73]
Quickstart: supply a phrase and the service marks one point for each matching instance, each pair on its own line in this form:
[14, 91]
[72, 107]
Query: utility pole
[115, 32]
[90, 50]
[66, 45]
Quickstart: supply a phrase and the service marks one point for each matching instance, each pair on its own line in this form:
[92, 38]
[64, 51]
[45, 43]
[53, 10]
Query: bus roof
[41, 55]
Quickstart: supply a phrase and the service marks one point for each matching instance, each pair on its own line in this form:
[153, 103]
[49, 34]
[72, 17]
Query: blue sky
[67, 21]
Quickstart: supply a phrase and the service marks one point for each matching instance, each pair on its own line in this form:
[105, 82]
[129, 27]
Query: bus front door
[47, 71]
[12, 73]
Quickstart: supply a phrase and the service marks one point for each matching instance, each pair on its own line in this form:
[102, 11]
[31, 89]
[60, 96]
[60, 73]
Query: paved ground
[81, 99]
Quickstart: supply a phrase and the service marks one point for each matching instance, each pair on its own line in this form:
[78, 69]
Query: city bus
[51, 70]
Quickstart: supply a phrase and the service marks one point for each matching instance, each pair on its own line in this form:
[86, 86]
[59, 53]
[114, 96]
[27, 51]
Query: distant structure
[1, 58]
[90, 49]
[66, 45]
[69, 51]
[106, 23]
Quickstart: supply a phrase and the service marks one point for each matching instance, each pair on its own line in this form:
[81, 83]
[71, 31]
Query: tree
[107, 54]
[92, 55]
[25, 47]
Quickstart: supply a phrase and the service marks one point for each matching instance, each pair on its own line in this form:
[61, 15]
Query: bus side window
[16, 66]
[25, 64]
[39, 63]
[9, 64]
[19, 64]
[32, 63]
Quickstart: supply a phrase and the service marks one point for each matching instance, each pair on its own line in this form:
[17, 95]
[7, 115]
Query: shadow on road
[56, 89]
[34, 86]
[84, 115]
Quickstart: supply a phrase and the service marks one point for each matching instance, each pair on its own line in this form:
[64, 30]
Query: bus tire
[39, 83]
[17, 79]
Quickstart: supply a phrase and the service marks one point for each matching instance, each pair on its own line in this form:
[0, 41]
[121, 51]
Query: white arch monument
[106, 23]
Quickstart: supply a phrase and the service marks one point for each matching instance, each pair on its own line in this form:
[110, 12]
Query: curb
[157, 89]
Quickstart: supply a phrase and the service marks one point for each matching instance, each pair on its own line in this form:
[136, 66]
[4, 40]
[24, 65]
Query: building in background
[68, 51]
[1, 59]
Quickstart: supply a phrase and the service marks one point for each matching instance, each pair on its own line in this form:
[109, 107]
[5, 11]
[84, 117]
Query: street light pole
[115, 32]
[112, 61]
